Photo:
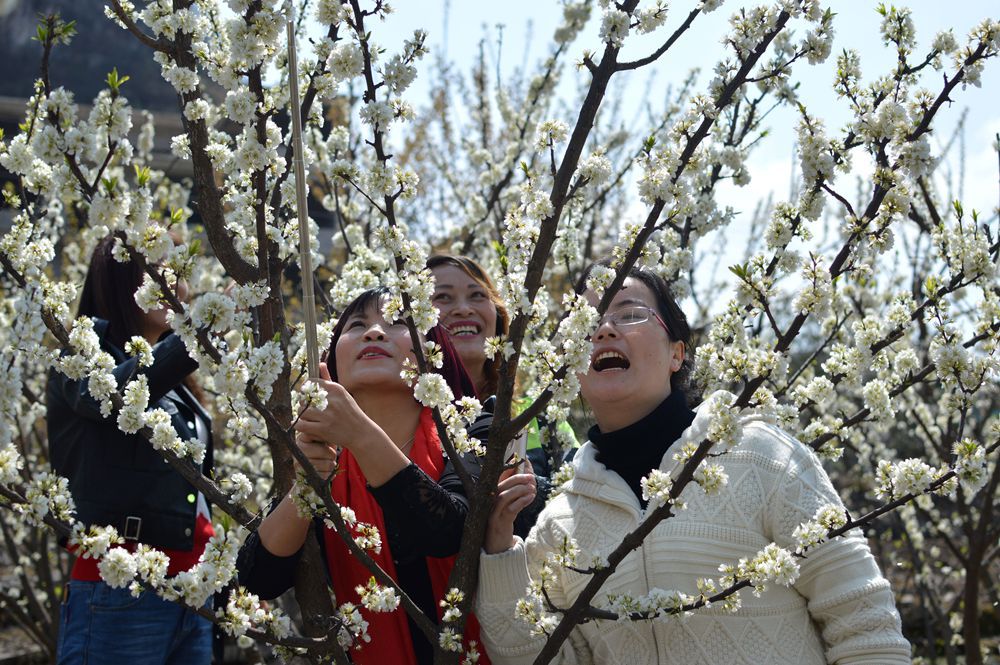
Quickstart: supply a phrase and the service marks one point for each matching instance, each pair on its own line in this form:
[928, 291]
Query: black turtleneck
[633, 451]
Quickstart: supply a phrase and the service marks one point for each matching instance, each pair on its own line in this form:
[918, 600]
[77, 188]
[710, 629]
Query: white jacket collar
[593, 480]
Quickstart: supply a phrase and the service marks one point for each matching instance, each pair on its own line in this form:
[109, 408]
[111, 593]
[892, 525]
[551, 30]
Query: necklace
[405, 448]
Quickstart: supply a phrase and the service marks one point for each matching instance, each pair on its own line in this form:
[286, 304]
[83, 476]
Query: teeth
[465, 330]
[372, 354]
[610, 361]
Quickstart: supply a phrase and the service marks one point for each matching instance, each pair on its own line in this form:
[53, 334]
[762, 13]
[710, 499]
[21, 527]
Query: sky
[456, 28]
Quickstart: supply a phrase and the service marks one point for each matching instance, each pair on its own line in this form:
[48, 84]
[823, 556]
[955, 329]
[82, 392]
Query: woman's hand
[342, 423]
[515, 492]
[321, 455]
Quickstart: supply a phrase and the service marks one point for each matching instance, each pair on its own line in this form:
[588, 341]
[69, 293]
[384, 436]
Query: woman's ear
[676, 356]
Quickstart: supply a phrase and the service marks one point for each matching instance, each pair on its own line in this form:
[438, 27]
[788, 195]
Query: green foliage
[741, 270]
[52, 29]
[115, 82]
[501, 251]
[142, 173]
[647, 145]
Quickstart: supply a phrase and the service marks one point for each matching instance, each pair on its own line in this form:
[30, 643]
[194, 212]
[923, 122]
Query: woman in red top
[391, 472]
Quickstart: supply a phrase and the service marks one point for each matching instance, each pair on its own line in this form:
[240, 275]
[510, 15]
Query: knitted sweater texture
[840, 610]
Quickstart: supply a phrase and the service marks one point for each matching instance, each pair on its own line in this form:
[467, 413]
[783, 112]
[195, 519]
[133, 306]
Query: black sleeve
[171, 364]
[527, 517]
[426, 518]
[263, 573]
[422, 517]
[269, 575]
[539, 459]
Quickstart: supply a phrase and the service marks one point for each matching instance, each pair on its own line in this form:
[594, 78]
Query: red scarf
[389, 631]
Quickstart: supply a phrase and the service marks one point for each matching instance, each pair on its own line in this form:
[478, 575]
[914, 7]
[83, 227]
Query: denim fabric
[100, 625]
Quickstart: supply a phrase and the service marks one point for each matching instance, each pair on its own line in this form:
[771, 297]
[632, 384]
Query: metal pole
[305, 254]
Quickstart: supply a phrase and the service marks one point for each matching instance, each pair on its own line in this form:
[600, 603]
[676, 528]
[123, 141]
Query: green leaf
[11, 198]
[64, 30]
[142, 174]
[115, 81]
[931, 285]
[501, 253]
[740, 270]
[61, 31]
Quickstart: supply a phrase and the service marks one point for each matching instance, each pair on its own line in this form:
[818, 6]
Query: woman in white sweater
[839, 610]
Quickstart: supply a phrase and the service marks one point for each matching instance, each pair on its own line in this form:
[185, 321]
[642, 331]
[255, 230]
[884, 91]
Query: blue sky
[456, 28]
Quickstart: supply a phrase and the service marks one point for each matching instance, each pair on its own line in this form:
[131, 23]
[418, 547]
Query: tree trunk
[970, 608]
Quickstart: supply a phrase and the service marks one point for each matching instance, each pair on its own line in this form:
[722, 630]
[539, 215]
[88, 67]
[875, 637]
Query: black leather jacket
[117, 479]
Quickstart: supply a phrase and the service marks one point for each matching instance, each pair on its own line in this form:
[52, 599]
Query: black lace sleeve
[422, 517]
[266, 574]
[263, 573]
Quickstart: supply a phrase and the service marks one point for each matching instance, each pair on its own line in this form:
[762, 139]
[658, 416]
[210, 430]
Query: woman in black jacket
[119, 480]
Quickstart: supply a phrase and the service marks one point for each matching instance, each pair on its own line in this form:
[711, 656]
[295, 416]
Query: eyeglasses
[632, 316]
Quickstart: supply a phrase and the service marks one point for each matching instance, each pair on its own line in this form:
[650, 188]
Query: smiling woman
[471, 310]
[390, 470]
[637, 362]
[836, 608]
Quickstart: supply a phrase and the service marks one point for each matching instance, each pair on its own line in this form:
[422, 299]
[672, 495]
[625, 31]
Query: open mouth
[609, 361]
[373, 353]
[464, 330]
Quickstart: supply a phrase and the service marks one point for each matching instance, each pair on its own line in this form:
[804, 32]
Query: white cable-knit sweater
[840, 610]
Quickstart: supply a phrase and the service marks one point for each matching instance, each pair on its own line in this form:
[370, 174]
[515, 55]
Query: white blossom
[614, 26]
[433, 391]
[377, 598]
[118, 567]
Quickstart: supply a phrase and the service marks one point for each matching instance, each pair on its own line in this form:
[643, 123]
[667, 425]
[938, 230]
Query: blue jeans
[100, 625]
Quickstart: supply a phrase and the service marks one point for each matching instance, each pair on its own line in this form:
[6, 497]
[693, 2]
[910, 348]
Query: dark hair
[109, 293]
[476, 272]
[678, 329]
[451, 368]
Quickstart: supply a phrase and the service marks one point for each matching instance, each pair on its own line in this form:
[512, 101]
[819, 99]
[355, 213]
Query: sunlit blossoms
[860, 315]
[772, 564]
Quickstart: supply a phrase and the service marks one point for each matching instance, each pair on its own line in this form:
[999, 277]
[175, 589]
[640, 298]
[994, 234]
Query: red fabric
[85, 570]
[390, 631]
